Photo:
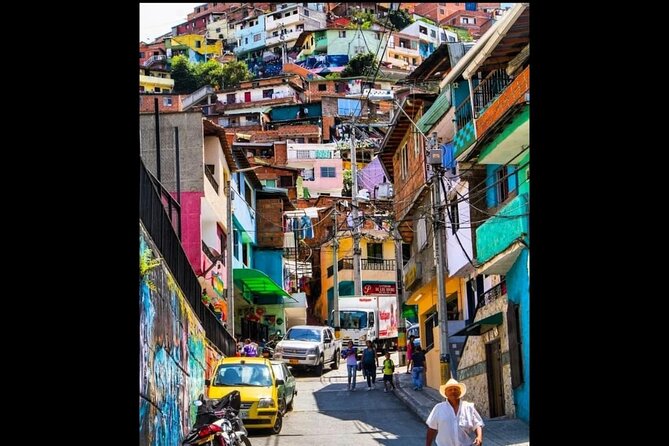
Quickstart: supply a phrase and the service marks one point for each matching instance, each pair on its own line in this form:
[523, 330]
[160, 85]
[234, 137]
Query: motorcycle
[217, 423]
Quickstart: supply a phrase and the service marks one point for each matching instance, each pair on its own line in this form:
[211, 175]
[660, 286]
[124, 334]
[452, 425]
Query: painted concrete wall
[472, 368]
[457, 257]
[347, 45]
[269, 261]
[248, 33]
[242, 212]
[518, 289]
[290, 112]
[280, 91]
[175, 356]
[496, 234]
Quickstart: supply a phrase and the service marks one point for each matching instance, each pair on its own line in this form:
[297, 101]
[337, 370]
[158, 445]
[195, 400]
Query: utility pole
[399, 287]
[335, 272]
[357, 282]
[441, 260]
[229, 247]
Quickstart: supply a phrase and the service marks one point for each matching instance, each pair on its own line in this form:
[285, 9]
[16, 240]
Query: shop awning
[482, 326]
[256, 283]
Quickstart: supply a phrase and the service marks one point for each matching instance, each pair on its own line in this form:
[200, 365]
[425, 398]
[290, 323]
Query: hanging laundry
[307, 228]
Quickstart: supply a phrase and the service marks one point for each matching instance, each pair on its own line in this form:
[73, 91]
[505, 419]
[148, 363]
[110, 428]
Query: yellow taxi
[258, 386]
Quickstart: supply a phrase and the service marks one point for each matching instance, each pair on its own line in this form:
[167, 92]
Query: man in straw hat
[454, 422]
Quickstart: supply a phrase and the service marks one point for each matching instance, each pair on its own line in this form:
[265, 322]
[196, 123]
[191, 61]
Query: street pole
[357, 282]
[229, 246]
[399, 287]
[441, 260]
[335, 280]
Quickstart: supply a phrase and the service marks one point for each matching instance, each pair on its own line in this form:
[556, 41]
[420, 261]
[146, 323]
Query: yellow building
[377, 271]
[155, 81]
[198, 44]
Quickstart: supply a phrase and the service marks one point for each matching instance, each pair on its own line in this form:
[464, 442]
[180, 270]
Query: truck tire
[319, 367]
[335, 362]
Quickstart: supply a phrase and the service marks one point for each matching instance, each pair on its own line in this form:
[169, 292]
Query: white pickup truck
[309, 346]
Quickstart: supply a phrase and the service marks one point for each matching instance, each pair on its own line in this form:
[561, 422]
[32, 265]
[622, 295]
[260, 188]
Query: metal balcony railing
[463, 113]
[378, 264]
[489, 88]
[492, 294]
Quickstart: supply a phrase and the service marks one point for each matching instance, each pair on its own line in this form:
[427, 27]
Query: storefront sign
[377, 288]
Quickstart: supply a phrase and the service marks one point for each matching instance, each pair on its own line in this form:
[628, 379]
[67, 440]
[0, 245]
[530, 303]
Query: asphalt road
[326, 413]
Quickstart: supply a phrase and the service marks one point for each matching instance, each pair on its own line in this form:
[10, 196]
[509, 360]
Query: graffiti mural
[175, 356]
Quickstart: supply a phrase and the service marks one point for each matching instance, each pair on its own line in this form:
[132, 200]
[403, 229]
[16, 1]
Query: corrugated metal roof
[435, 112]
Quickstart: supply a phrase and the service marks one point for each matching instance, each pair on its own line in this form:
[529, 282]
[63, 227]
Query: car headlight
[312, 351]
[265, 402]
[363, 338]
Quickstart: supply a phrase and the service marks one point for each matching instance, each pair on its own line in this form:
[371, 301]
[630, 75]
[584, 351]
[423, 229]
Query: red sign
[376, 288]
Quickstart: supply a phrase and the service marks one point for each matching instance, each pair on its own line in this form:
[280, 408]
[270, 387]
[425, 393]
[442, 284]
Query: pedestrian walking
[454, 422]
[369, 364]
[417, 371]
[410, 352]
[249, 349]
[388, 370]
[350, 354]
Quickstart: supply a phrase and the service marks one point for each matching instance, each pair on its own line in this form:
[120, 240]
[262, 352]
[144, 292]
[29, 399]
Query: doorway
[493, 356]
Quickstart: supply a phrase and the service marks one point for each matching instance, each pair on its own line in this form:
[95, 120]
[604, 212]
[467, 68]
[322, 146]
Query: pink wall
[191, 239]
[326, 183]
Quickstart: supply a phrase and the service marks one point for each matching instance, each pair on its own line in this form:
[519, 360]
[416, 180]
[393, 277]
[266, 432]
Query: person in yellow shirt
[388, 369]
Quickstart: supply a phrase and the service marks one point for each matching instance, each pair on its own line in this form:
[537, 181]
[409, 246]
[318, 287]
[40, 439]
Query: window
[406, 253]
[421, 233]
[433, 33]
[454, 217]
[275, 34]
[404, 166]
[235, 241]
[248, 194]
[286, 181]
[230, 98]
[256, 38]
[430, 322]
[328, 172]
[218, 30]
[342, 33]
[245, 254]
[452, 310]
[141, 55]
[246, 40]
[307, 174]
[441, 11]
[306, 12]
[268, 93]
[295, 12]
[322, 87]
[375, 252]
[198, 44]
[268, 183]
[156, 89]
[443, 37]
[501, 185]
[422, 30]
[167, 102]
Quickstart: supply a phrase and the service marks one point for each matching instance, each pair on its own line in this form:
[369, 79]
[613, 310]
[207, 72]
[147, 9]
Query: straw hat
[453, 383]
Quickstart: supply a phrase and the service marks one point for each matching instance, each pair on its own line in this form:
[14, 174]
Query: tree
[235, 72]
[209, 73]
[399, 18]
[363, 64]
[183, 75]
[348, 183]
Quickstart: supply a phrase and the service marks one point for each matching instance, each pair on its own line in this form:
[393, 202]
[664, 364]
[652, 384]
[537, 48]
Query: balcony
[368, 264]
[492, 294]
[156, 81]
[498, 239]
[287, 37]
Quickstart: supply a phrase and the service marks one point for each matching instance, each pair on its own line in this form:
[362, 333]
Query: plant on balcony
[348, 183]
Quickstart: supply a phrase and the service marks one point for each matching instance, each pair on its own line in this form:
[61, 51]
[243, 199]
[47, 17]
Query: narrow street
[325, 413]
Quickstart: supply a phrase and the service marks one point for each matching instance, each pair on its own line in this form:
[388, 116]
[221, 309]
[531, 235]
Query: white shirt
[454, 429]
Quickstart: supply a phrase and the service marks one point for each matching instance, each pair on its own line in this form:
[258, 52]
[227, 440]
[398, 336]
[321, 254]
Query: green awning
[436, 111]
[254, 282]
[482, 326]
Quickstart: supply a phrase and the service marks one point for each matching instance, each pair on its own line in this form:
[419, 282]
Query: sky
[156, 19]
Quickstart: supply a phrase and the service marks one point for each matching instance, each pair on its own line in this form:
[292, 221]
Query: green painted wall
[495, 235]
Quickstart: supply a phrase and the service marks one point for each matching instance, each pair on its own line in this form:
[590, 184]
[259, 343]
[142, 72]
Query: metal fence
[156, 221]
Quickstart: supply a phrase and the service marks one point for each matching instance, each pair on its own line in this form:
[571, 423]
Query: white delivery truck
[364, 318]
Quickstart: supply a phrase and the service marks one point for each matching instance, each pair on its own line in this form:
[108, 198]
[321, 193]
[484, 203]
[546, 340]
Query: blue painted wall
[491, 192]
[518, 291]
[269, 262]
[244, 213]
[249, 33]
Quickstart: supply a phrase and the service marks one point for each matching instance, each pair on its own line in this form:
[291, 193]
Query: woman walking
[350, 354]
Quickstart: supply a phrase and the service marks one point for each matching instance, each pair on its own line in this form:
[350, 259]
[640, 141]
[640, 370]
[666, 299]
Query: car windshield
[353, 319]
[257, 375]
[303, 334]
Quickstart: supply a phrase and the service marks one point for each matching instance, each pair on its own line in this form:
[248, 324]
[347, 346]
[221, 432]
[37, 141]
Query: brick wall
[146, 102]
[406, 188]
[270, 230]
[513, 94]
[280, 153]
